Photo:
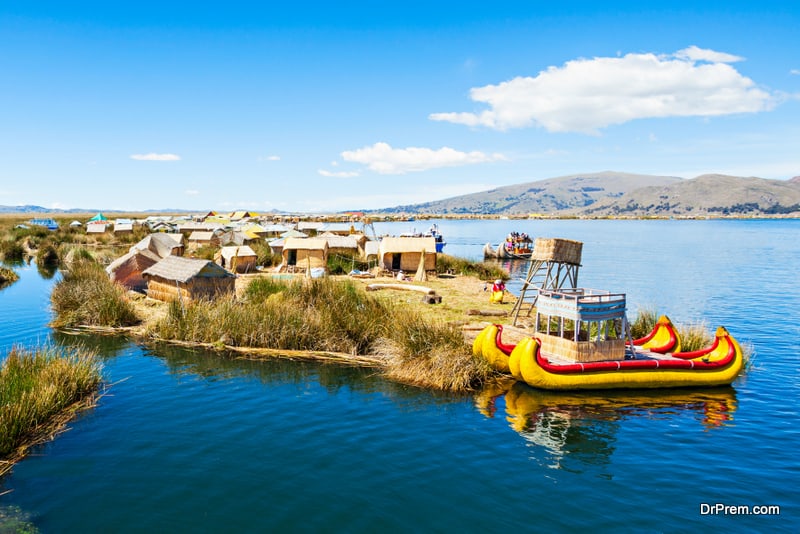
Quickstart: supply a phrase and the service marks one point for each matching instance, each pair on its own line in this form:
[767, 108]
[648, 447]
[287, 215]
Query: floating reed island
[243, 302]
[40, 391]
[331, 319]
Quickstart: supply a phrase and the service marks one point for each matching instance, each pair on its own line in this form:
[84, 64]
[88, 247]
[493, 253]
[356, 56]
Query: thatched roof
[140, 259]
[237, 252]
[201, 236]
[178, 238]
[182, 269]
[341, 241]
[199, 227]
[293, 233]
[161, 244]
[96, 228]
[337, 228]
[275, 228]
[305, 243]
[310, 225]
[123, 227]
[391, 245]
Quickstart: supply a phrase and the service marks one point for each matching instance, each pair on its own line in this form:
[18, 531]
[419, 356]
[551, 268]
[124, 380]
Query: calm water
[191, 441]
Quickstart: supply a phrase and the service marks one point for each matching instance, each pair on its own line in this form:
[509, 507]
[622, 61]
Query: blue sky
[329, 106]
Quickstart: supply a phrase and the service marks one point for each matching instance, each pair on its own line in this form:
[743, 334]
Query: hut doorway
[396, 261]
[292, 258]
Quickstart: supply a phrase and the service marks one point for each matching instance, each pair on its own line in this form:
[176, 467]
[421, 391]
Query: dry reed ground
[460, 294]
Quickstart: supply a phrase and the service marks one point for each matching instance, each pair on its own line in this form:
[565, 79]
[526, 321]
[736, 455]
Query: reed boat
[516, 246]
[717, 365]
[592, 356]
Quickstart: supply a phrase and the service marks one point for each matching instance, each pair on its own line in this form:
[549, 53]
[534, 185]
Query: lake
[187, 440]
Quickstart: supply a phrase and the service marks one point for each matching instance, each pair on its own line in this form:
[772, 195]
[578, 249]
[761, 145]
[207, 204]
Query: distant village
[163, 264]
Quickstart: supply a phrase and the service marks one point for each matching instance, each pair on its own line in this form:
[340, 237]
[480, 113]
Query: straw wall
[583, 351]
[197, 288]
[558, 250]
[409, 261]
[308, 258]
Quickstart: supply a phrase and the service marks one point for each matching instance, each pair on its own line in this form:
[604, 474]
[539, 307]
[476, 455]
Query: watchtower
[554, 265]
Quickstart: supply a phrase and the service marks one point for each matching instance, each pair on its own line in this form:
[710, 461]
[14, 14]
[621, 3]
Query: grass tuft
[644, 322]
[446, 264]
[86, 296]
[7, 276]
[38, 388]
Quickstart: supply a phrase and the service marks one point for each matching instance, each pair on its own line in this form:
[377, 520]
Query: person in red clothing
[498, 291]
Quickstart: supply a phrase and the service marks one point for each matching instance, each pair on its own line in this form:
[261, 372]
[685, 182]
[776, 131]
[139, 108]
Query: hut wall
[129, 276]
[197, 288]
[317, 258]
[242, 264]
[409, 261]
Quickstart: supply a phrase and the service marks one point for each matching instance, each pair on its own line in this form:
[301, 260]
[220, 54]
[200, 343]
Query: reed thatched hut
[202, 238]
[93, 227]
[123, 226]
[161, 244]
[346, 245]
[127, 269]
[238, 259]
[175, 277]
[406, 253]
[300, 253]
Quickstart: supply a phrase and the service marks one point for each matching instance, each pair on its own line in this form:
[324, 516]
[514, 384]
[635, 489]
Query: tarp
[98, 217]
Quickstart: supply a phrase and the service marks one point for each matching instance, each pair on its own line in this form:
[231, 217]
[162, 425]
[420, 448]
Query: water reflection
[105, 346]
[47, 271]
[570, 430]
[214, 365]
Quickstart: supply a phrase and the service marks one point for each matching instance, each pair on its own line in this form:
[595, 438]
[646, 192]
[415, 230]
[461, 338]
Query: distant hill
[543, 196]
[709, 194]
[621, 194]
[54, 211]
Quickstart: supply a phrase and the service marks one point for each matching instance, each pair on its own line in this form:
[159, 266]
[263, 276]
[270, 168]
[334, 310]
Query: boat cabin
[582, 325]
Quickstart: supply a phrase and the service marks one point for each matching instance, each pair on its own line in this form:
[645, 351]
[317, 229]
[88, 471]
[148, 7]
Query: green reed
[446, 264]
[86, 296]
[7, 276]
[329, 315]
[36, 388]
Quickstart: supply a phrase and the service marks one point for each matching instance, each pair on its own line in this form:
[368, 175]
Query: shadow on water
[47, 271]
[568, 430]
[105, 346]
[215, 365]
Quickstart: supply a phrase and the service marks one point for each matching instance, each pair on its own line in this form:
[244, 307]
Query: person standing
[498, 291]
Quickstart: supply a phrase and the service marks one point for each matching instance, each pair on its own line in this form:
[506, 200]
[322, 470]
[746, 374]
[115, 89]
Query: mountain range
[610, 193]
[601, 194]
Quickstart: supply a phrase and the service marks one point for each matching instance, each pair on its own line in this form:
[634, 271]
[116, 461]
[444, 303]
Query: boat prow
[489, 346]
[662, 338]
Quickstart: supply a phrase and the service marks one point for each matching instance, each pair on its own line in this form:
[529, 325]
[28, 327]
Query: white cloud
[694, 53]
[340, 174]
[269, 158]
[384, 159]
[155, 157]
[192, 192]
[795, 72]
[587, 94]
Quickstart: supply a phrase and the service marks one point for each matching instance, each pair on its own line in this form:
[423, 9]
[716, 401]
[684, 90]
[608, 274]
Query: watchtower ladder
[554, 265]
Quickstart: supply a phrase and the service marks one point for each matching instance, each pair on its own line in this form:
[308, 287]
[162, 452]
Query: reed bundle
[40, 391]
